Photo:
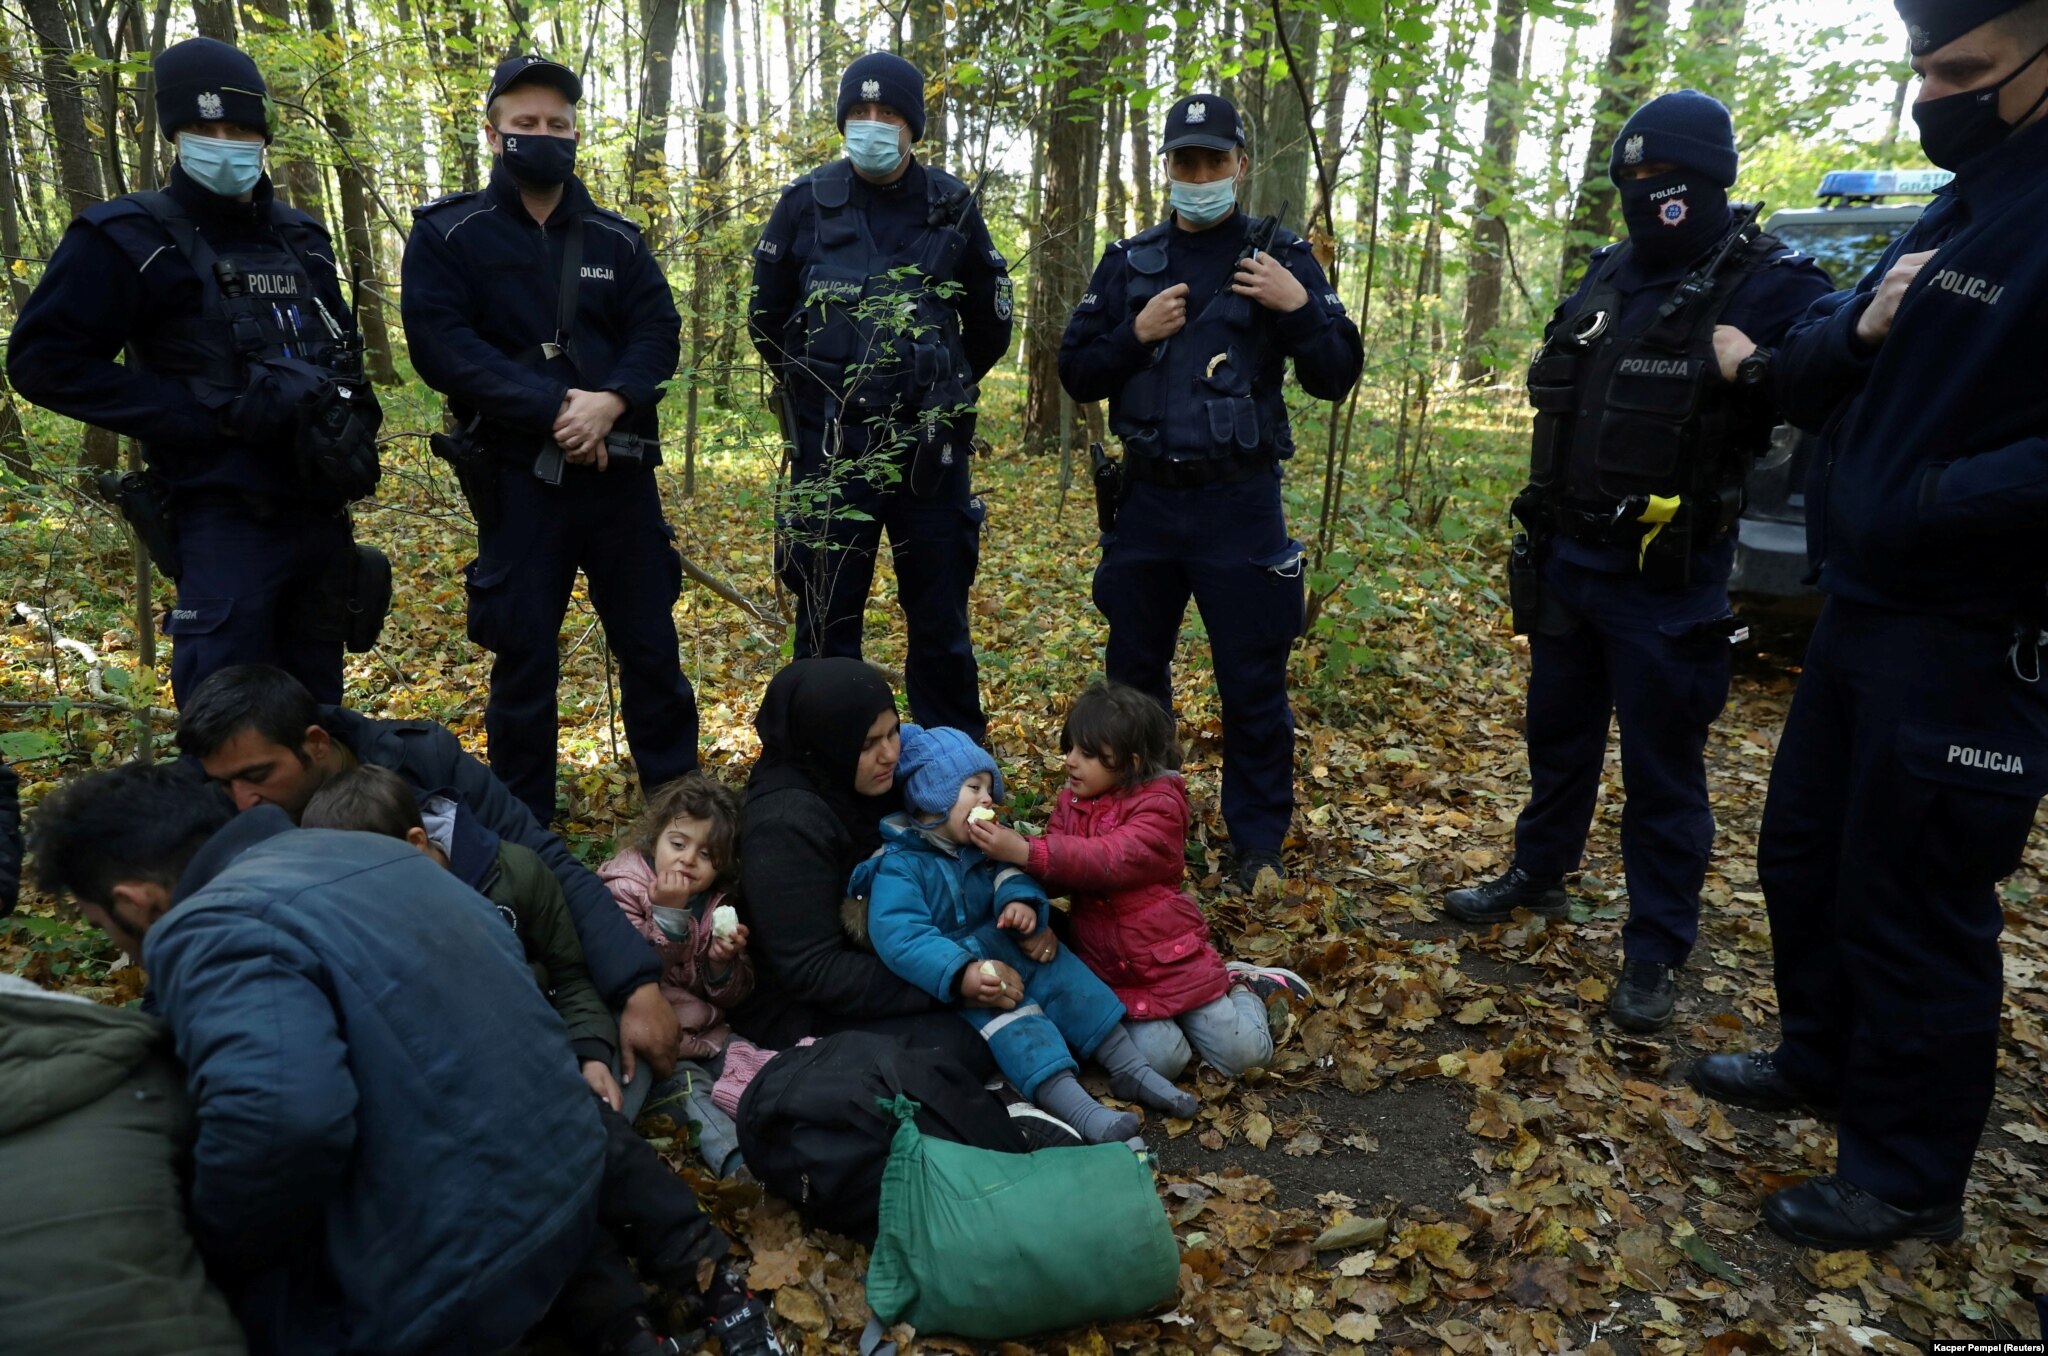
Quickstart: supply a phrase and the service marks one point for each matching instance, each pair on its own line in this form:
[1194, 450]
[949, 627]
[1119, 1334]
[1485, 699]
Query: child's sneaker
[1268, 980]
[745, 1331]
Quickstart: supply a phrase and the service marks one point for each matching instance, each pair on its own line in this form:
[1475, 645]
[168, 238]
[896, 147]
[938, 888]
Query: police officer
[1916, 749]
[243, 382]
[879, 303]
[548, 324]
[1646, 426]
[1186, 329]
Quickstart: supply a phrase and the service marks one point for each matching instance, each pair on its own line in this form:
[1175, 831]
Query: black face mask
[1673, 217]
[538, 161]
[1957, 128]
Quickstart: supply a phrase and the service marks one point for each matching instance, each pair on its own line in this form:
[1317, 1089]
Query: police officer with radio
[1652, 401]
[879, 303]
[1186, 329]
[243, 383]
[1915, 753]
[547, 323]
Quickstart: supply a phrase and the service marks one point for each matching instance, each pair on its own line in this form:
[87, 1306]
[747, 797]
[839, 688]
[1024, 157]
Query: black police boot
[1833, 1215]
[1642, 1000]
[1497, 900]
[1752, 1079]
[1253, 863]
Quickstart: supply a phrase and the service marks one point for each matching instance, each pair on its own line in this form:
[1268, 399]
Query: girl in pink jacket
[1117, 843]
[673, 880]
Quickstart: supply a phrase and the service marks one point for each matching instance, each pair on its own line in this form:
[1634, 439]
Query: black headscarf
[812, 723]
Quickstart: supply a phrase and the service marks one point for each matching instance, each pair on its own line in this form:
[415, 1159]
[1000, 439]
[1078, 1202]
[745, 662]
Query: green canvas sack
[993, 1245]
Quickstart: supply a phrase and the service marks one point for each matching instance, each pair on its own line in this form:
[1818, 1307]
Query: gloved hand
[267, 411]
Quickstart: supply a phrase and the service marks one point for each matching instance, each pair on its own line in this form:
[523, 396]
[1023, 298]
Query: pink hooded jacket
[686, 980]
[1120, 855]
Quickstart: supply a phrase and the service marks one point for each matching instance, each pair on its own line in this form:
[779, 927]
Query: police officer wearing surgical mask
[547, 323]
[1186, 329]
[1652, 399]
[879, 303]
[243, 384]
[1915, 753]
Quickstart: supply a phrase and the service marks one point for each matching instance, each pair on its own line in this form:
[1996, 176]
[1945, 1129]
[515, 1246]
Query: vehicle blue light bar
[1881, 183]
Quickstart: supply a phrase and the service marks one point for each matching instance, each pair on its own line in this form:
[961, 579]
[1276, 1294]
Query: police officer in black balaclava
[243, 384]
[1915, 754]
[1652, 403]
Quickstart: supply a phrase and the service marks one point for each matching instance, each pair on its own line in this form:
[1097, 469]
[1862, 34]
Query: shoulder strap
[566, 294]
[184, 233]
[832, 185]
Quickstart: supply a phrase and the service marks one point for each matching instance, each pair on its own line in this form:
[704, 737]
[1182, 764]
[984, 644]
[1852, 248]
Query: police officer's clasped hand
[1731, 346]
[585, 419]
[1876, 321]
[1163, 316]
[1268, 282]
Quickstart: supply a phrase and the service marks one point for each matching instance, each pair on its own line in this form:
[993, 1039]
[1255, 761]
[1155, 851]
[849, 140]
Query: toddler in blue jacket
[971, 931]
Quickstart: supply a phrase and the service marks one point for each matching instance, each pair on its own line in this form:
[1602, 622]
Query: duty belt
[1194, 475]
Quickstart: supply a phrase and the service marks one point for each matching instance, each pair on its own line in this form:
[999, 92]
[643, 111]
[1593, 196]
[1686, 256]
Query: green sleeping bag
[993, 1245]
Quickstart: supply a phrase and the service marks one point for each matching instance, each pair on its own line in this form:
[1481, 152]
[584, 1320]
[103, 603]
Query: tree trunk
[928, 53]
[1117, 206]
[359, 233]
[1336, 88]
[1058, 243]
[216, 19]
[647, 161]
[1493, 190]
[78, 165]
[297, 180]
[1146, 207]
[1634, 47]
[711, 125]
[10, 214]
[1281, 155]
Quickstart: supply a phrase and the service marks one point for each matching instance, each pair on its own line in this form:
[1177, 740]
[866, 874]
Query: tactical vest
[872, 336]
[1645, 414]
[1197, 399]
[257, 300]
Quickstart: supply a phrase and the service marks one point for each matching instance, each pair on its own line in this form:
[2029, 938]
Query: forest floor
[1453, 1150]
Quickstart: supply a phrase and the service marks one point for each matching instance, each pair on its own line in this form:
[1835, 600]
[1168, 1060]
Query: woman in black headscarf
[814, 807]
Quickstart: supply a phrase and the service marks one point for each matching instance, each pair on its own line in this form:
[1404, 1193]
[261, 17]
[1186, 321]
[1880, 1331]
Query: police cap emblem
[1197, 112]
[1632, 151]
[870, 89]
[210, 106]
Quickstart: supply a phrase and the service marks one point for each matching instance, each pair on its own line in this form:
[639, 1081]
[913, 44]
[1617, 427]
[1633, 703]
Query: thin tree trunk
[1634, 43]
[1281, 161]
[215, 19]
[1493, 191]
[297, 180]
[10, 218]
[358, 228]
[1336, 88]
[928, 53]
[1060, 263]
[647, 162]
[1146, 206]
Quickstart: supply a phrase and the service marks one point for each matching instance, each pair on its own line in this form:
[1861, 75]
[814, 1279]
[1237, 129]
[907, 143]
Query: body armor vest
[872, 336]
[257, 301]
[1642, 415]
[1196, 400]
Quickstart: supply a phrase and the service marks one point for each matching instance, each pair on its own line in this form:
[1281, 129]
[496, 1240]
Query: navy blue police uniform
[1202, 416]
[1916, 749]
[253, 538]
[1640, 450]
[484, 290]
[879, 402]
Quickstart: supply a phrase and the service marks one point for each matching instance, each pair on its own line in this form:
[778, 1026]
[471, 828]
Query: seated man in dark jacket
[257, 731]
[386, 1161]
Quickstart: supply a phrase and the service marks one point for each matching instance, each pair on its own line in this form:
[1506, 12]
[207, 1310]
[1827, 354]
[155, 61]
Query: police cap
[1203, 120]
[529, 69]
[1932, 24]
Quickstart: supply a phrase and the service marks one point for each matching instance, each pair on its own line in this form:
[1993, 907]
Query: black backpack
[811, 1133]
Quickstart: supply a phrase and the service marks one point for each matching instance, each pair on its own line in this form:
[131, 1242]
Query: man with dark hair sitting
[386, 1161]
[258, 732]
[646, 1209]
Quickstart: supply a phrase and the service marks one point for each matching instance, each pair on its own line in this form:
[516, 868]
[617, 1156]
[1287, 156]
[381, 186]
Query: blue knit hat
[934, 764]
[202, 80]
[885, 78]
[1684, 128]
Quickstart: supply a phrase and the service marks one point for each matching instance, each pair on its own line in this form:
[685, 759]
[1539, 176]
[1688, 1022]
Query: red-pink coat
[1120, 856]
[686, 975]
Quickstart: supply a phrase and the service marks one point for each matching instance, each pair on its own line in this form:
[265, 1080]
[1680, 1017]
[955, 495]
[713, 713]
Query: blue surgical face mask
[220, 164]
[873, 147]
[1202, 204]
